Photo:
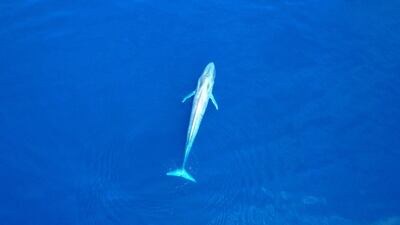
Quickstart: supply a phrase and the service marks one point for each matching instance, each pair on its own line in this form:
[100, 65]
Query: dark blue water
[308, 130]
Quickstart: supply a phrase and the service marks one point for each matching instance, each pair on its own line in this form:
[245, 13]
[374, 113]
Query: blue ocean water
[91, 117]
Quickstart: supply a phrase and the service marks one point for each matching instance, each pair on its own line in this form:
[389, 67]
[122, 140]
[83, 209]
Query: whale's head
[208, 76]
[209, 71]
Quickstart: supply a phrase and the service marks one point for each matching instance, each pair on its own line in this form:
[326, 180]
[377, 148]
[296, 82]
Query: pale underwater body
[202, 94]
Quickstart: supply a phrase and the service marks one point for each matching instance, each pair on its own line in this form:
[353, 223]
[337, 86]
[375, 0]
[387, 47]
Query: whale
[202, 94]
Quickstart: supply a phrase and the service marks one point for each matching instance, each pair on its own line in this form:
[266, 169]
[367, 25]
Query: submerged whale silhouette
[201, 95]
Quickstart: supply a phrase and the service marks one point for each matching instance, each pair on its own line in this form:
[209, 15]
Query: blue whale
[202, 95]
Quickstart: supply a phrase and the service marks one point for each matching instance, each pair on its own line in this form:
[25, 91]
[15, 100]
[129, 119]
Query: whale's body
[202, 95]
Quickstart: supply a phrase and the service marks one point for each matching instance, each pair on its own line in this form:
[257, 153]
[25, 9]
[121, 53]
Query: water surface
[91, 119]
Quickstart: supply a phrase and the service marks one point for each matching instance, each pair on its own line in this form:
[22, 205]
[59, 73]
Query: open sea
[91, 119]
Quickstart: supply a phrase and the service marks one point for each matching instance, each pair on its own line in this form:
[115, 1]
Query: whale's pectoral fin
[214, 101]
[188, 96]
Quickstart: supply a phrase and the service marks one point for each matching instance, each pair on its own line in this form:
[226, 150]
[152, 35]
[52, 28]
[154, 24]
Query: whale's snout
[210, 69]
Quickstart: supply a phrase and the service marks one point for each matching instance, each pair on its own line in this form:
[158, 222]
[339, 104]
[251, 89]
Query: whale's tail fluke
[181, 173]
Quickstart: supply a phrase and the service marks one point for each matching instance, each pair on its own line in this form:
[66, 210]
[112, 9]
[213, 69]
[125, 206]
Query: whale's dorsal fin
[214, 101]
[188, 96]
